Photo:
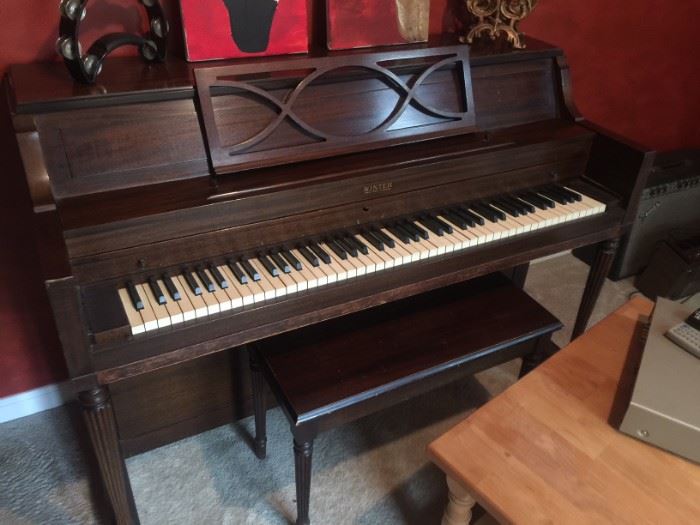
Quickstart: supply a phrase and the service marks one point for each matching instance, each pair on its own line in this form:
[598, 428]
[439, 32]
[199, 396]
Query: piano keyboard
[207, 289]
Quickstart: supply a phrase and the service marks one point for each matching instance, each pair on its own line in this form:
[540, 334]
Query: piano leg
[596, 277]
[259, 408]
[102, 427]
[518, 275]
[303, 451]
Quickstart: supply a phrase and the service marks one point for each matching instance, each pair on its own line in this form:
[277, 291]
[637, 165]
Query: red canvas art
[365, 23]
[217, 29]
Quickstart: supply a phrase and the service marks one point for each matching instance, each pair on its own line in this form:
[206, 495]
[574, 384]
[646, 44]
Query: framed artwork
[216, 29]
[365, 23]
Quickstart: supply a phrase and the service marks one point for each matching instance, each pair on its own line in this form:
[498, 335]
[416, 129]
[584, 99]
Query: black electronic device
[669, 202]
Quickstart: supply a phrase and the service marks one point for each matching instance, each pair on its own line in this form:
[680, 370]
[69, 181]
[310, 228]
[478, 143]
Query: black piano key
[523, 208]
[467, 218]
[500, 214]
[548, 203]
[362, 247]
[373, 240]
[134, 295]
[533, 200]
[336, 248]
[280, 262]
[349, 248]
[320, 253]
[529, 208]
[505, 207]
[560, 191]
[574, 195]
[552, 196]
[455, 219]
[218, 277]
[192, 283]
[431, 225]
[446, 227]
[478, 219]
[384, 238]
[157, 292]
[252, 272]
[289, 257]
[238, 273]
[410, 230]
[267, 263]
[399, 233]
[170, 286]
[412, 236]
[208, 284]
[308, 255]
[486, 212]
[417, 231]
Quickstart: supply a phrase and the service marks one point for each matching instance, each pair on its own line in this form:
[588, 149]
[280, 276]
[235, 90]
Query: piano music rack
[258, 115]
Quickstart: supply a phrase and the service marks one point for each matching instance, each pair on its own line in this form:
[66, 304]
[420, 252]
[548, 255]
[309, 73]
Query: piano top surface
[40, 87]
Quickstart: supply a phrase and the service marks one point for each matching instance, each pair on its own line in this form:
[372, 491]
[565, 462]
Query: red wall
[635, 71]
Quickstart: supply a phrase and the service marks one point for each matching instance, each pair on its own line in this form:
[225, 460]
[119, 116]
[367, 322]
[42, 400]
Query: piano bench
[341, 370]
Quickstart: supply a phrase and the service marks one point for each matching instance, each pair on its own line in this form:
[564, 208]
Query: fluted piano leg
[596, 277]
[302, 463]
[102, 427]
[259, 409]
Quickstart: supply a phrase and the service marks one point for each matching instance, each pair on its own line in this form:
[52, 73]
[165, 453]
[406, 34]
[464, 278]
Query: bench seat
[335, 372]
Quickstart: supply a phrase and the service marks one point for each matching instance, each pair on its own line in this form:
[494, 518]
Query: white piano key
[150, 321]
[198, 304]
[174, 311]
[132, 314]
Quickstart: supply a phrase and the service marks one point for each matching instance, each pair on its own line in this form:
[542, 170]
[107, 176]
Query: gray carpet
[370, 472]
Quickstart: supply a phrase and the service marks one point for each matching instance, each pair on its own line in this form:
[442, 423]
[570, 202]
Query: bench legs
[536, 357]
[459, 504]
[303, 451]
[303, 446]
[259, 409]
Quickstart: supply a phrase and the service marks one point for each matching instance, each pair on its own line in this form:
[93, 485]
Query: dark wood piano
[185, 210]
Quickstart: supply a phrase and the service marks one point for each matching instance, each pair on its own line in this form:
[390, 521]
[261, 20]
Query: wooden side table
[545, 451]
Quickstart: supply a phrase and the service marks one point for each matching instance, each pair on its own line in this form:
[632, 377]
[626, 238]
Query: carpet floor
[370, 472]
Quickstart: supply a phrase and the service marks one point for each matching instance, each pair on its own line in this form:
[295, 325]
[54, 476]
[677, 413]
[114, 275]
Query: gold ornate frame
[499, 16]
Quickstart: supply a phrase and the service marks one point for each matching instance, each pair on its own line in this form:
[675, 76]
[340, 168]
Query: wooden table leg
[596, 277]
[259, 408]
[302, 463]
[102, 427]
[459, 505]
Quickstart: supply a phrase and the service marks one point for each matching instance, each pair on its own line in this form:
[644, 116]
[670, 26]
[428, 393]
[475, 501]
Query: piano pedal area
[208, 289]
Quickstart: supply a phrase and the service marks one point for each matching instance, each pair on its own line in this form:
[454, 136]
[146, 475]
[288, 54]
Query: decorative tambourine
[85, 68]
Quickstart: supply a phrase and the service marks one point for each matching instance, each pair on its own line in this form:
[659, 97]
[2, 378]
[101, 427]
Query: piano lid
[259, 115]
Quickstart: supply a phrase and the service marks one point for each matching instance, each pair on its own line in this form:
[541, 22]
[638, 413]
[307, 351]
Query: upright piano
[184, 211]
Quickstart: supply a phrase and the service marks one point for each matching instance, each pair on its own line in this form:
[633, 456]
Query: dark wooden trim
[303, 452]
[596, 278]
[64, 296]
[102, 427]
[259, 408]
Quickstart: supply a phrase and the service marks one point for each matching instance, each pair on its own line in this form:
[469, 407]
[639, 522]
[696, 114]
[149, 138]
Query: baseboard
[34, 401]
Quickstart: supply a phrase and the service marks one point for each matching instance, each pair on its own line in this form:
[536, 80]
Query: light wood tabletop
[545, 451]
